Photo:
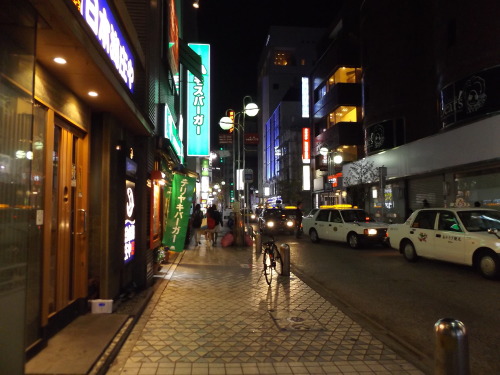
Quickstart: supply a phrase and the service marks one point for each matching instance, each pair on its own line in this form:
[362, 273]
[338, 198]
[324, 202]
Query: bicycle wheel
[278, 261]
[268, 266]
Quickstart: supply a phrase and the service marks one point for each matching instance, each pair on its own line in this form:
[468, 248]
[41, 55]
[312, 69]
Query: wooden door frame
[80, 261]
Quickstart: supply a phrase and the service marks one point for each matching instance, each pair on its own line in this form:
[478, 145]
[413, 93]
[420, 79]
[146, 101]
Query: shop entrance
[67, 270]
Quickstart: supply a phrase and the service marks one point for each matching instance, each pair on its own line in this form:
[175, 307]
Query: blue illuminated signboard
[99, 17]
[198, 111]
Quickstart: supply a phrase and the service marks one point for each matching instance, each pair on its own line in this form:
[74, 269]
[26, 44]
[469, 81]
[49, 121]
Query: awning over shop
[190, 59]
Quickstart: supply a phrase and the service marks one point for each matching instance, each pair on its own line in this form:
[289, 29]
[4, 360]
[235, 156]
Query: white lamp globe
[337, 159]
[323, 151]
[251, 109]
[226, 123]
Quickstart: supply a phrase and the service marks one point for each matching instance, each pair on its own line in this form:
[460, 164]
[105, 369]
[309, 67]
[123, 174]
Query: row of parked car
[467, 236]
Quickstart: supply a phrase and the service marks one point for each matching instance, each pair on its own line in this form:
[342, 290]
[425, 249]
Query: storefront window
[20, 182]
[480, 189]
[389, 206]
[349, 153]
[343, 114]
[345, 75]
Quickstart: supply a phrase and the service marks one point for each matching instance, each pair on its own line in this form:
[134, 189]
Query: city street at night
[402, 301]
[144, 145]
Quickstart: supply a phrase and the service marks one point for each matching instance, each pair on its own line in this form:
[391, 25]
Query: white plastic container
[101, 306]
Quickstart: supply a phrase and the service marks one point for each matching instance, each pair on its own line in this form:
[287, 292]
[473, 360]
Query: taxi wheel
[488, 265]
[409, 252]
[353, 240]
[314, 235]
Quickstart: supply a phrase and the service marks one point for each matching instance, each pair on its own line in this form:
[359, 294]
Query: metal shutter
[430, 188]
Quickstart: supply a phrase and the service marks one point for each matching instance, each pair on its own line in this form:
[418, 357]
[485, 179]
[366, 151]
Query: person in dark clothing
[298, 220]
[230, 221]
[213, 213]
[196, 220]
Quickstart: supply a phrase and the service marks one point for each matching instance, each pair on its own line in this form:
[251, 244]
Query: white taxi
[343, 223]
[459, 235]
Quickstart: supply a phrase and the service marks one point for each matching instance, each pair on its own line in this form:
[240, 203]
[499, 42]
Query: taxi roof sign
[338, 206]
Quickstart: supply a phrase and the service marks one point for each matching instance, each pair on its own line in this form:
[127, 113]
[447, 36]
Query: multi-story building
[336, 112]
[288, 56]
[87, 90]
[431, 104]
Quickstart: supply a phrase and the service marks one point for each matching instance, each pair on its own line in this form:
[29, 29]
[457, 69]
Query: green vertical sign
[181, 200]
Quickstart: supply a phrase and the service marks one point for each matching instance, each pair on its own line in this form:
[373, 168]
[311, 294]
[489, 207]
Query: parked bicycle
[272, 260]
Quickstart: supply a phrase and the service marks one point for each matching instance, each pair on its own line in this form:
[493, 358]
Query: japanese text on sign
[99, 17]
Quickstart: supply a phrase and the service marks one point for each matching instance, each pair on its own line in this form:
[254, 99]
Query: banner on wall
[181, 200]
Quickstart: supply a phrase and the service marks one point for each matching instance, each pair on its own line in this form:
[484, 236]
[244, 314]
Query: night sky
[237, 30]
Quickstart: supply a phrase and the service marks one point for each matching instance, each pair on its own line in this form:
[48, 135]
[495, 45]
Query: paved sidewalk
[214, 314]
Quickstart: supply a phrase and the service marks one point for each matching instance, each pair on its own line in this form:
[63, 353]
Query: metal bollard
[258, 242]
[452, 348]
[285, 256]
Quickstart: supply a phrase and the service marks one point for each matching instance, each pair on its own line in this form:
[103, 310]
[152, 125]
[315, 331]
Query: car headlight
[371, 232]
[270, 224]
[252, 216]
[289, 223]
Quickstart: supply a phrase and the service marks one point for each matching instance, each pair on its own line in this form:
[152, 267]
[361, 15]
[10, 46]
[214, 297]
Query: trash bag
[248, 240]
[227, 240]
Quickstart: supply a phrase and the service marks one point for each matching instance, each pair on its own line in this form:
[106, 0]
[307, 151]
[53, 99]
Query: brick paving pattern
[215, 314]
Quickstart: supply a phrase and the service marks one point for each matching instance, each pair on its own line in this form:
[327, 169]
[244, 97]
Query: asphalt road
[400, 302]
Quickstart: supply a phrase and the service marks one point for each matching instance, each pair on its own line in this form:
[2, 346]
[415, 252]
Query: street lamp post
[226, 123]
[333, 158]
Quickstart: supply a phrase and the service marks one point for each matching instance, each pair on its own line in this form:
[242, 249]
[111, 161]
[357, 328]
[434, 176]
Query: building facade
[430, 76]
[81, 138]
[336, 107]
[288, 56]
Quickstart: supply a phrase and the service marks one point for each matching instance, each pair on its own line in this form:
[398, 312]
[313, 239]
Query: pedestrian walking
[217, 216]
[209, 233]
[298, 220]
[196, 220]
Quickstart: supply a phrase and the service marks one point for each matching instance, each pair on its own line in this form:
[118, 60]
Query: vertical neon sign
[129, 240]
[172, 134]
[306, 145]
[198, 111]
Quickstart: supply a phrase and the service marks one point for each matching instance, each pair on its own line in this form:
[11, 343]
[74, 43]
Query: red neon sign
[306, 143]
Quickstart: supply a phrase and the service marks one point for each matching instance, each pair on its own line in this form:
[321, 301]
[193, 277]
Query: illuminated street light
[333, 159]
[338, 159]
[251, 109]
[226, 123]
